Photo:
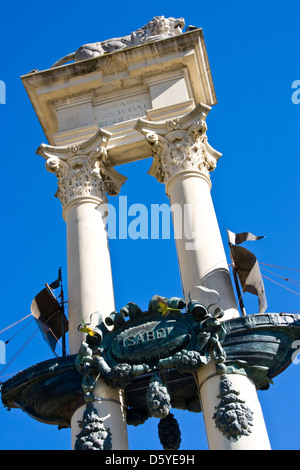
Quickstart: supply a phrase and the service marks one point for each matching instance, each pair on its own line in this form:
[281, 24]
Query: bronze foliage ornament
[132, 345]
[233, 417]
[161, 338]
[169, 433]
[158, 399]
[93, 434]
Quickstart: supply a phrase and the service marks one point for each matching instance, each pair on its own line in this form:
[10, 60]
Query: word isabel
[147, 336]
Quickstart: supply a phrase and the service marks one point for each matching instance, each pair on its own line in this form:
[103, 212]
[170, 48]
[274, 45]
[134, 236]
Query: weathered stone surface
[156, 29]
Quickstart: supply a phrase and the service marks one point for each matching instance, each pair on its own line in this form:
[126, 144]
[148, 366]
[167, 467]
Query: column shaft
[90, 286]
[202, 259]
[183, 160]
[110, 407]
[85, 176]
[243, 389]
[90, 289]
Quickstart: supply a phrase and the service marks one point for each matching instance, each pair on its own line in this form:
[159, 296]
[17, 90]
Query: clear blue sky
[253, 49]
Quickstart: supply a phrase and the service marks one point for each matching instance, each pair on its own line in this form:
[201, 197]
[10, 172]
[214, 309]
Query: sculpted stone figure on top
[156, 29]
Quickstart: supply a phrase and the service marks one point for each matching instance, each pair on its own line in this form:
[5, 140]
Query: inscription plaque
[121, 110]
[150, 341]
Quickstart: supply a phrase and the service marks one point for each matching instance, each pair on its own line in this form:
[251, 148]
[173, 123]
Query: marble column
[183, 160]
[85, 177]
[232, 412]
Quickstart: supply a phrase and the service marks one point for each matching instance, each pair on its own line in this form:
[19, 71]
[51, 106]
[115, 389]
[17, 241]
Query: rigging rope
[293, 281]
[279, 267]
[18, 352]
[6, 342]
[272, 280]
[13, 324]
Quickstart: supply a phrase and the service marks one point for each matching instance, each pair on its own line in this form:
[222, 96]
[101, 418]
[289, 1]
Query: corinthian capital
[83, 170]
[180, 145]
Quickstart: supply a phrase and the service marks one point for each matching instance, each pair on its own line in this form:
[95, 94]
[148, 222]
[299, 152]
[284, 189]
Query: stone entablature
[157, 80]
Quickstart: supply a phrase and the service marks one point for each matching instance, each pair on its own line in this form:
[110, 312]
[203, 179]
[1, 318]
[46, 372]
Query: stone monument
[113, 102]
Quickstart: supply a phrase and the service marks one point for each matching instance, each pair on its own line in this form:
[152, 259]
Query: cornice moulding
[84, 81]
